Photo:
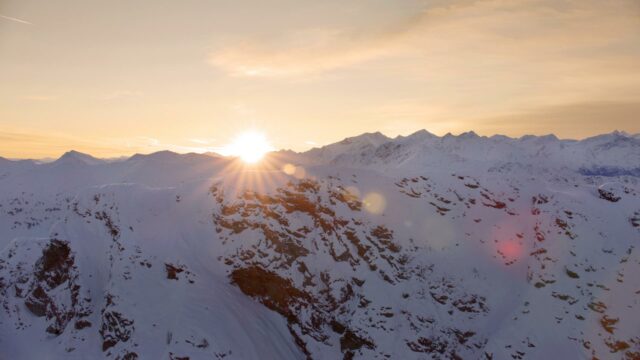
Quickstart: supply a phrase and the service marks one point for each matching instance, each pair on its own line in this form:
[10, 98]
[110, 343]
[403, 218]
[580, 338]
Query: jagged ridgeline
[418, 247]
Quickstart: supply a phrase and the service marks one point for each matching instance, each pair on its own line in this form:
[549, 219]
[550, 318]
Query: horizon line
[211, 152]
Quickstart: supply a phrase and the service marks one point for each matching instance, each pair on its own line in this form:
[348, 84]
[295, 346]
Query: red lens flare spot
[510, 250]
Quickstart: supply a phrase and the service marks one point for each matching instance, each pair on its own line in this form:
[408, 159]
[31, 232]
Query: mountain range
[413, 247]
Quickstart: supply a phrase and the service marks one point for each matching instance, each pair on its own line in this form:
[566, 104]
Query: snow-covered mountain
[416, 247]
[617, 153]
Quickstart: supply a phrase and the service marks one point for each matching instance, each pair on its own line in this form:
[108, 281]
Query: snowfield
[416, 247]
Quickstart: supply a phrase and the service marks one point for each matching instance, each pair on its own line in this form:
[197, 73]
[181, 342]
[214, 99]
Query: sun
[249, 146]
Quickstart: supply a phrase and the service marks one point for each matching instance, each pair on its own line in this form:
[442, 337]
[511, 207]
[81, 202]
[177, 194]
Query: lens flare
[374, 203]
[511, 249]
[289, 169]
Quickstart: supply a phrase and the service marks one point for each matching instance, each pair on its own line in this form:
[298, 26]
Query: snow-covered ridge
[617, 153]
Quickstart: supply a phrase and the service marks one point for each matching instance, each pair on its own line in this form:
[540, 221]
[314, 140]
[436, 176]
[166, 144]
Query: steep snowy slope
[415, 247]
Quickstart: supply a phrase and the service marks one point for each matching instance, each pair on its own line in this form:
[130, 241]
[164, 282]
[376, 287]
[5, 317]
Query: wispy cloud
[302, 52]
[15, 19]
[533, 33]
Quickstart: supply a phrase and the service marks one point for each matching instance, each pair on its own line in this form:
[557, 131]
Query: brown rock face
[115, 327]
[173, 271]
[37, 302]
[608, 195]
[55, 263]
[55, 268]
[275, 292]
[351, 341]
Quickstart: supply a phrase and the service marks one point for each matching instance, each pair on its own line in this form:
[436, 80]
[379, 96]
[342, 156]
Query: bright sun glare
[250, 146]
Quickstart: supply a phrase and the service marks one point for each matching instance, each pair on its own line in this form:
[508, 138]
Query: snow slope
[418, 247]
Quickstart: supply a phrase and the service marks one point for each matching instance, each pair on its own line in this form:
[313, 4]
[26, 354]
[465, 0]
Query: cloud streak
[304, 52]
[319, 48]
[15, 19]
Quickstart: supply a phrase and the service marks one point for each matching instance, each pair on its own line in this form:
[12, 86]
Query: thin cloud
[314, 50]
[15, 19]
[321, 50]
[534, 33]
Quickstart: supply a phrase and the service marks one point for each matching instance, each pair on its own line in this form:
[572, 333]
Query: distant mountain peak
[375, 138]
[74, 156]
[418, 135]
[468, 135]
[620, 133]
[163, 154]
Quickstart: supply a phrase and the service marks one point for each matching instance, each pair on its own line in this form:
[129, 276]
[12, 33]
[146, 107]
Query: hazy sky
[118, 77]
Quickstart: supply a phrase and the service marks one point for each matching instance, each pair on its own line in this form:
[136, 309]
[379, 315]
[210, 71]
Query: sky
[118, 77]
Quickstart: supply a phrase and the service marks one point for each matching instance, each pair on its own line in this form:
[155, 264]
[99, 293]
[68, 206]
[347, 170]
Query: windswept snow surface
[417, 247]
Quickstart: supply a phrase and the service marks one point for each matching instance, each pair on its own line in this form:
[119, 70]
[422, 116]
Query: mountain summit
[76, 157]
